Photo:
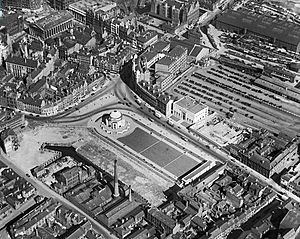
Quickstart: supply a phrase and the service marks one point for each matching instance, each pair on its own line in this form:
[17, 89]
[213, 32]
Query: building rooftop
[149, 55]
[291, 220]
[146, 36]
[36, 215]
[184, 43]
[177, 51]
[96, 5]
[7, 132]
[36, 45]
[191, 105]
[53, 20]
[160, 46]
[12, 22]
[22, 61]
[160, 216]
[166, 60]
[265, 25]
[196, 50]
[81, 37]
[124, 206]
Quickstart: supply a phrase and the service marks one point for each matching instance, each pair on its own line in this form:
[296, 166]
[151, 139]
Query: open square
[132, 140]
[162, 154]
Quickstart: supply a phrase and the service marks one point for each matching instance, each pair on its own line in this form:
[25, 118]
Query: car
[27, 175]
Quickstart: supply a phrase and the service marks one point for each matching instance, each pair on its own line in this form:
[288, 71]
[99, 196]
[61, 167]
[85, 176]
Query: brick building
[19, 66]
[265, 153]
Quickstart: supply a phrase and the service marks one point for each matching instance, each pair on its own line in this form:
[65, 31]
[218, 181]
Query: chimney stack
[116, 180]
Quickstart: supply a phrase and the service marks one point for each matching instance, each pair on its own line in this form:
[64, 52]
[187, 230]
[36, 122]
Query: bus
[138, 101]
[157, 114]
[170, 123]
[184, 138]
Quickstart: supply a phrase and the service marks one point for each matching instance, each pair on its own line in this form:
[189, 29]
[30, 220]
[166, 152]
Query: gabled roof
[262, 24]
[22, 61]
[36, 45]
[38, 85]
[82, 37]
[163, 218]
[291, 220]
[7, 132]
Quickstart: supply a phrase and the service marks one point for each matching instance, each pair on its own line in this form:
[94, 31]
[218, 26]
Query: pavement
[195, 143]
[161, 132]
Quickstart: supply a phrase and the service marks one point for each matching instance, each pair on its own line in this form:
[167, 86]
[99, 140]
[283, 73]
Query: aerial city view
[159, 119]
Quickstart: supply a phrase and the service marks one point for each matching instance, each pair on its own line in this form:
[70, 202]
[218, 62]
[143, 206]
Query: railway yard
[250, 90]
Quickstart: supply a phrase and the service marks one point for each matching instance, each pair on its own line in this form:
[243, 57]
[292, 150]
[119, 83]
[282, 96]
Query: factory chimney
[116, 180]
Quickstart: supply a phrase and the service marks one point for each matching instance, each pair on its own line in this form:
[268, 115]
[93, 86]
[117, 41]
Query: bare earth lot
[143, 181]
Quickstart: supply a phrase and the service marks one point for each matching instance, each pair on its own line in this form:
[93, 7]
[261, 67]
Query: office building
[176, 12]
[170, 65]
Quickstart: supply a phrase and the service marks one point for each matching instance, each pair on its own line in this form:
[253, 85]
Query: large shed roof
[264, 25]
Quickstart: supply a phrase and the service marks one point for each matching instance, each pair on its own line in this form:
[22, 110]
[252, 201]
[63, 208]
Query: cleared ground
[159, 152]
[143, 181]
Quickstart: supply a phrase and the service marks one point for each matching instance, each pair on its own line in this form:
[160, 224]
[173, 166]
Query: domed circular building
[114, 120]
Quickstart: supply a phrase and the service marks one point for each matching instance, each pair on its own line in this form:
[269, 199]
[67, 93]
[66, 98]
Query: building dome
[115, 115]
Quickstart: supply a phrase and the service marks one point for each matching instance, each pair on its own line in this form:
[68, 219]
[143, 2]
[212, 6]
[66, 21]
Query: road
[45, 191]
[106, 89]
[125, 96]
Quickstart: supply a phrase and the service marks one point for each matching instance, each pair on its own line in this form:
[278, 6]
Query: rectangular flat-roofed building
[173, 61]
[146, 39]
[104, 9]
[189, 110]
[51, 25]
